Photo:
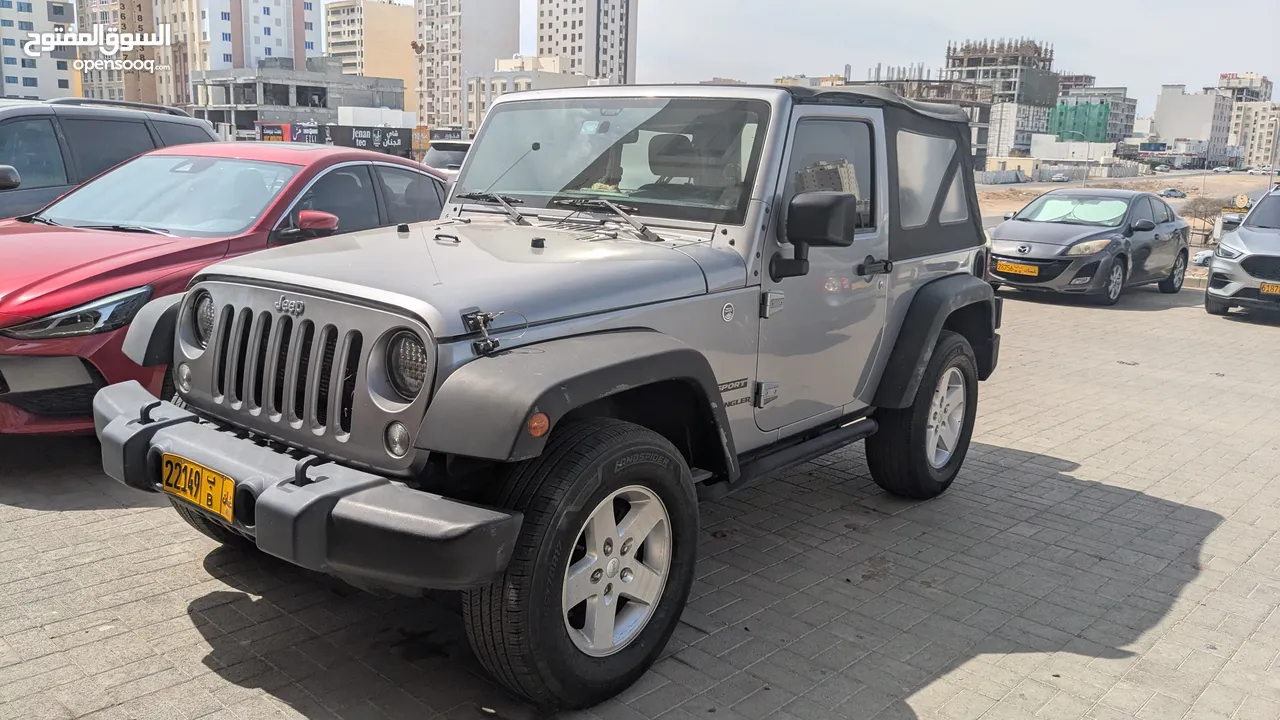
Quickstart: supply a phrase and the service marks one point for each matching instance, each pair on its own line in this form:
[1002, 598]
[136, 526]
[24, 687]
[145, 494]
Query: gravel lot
[1110, 551]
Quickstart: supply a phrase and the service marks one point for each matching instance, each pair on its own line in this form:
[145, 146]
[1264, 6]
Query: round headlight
[407, 364]
[203, 318]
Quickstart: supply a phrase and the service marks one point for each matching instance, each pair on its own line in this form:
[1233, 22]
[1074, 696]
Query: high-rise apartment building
[597, 36]
[1255, 127]
[374, 38]
[135, 84]
[232, 34]
[49, 74]
[459, 40]
[1244, 87]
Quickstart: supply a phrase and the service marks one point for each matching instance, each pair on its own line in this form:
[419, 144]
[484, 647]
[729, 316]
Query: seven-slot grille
[289, 370]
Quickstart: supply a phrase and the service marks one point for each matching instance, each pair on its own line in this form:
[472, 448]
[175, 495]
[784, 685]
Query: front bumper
[1057, 274]
[326, 517]
[1231, 283]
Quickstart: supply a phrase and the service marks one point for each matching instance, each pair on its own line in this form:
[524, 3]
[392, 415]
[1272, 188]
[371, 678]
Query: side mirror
[311, 224]
[821, 219]
[1009, 215]
[9, 177]
[1143, 225]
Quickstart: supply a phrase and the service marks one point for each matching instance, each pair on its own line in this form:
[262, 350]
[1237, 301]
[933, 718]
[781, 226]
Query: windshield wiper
[128, 228]
[503, 200]
[616, 209]
[38, 219]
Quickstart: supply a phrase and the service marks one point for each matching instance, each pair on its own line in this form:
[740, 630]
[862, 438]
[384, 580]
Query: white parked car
[1059, 177]
[1222, 169]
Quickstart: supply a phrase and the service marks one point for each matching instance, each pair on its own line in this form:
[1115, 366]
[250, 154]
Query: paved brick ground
[1110, 552]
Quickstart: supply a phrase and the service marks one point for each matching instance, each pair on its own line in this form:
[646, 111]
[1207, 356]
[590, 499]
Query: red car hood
[45, 269]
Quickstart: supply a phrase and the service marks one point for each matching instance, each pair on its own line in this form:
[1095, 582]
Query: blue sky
[1141, 45]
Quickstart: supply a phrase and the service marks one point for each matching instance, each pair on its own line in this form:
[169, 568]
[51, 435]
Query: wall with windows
[42, 77]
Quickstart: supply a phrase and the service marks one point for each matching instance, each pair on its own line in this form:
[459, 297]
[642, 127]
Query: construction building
[374, 38]
[1094, 114]
[1074, 81]
[806, 81]
[597, 36]
[459, 40]
[1254, 128]
[1243, 87]
[917, 82]
[1023, 83]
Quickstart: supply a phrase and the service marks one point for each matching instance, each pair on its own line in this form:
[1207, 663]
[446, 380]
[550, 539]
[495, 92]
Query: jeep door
[824, 329]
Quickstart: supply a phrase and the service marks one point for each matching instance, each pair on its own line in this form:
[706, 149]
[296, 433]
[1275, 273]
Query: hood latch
[478, 320]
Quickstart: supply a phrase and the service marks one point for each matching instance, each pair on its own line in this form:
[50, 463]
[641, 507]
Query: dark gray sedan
[1092, 242]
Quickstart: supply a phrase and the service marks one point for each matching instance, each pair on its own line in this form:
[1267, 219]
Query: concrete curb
[1195, 282]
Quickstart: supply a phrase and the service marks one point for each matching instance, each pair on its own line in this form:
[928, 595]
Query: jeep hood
[439, 271]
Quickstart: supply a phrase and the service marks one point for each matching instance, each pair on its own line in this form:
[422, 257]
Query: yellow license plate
[1269, 289]
[1004, 266]
[208, 489]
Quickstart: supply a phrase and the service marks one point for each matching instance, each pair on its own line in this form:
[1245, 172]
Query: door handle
[871, 266]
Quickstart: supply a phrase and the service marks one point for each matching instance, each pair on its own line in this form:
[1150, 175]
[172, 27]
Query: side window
[1164, 213]
[346, 192]
[922, 161]
[410, 196]
[100, 144]
[181, 133]
[833, 155]
[31, 147]
[1142, 211]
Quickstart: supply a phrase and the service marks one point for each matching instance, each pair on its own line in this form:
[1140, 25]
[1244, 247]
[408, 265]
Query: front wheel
[601, 570]
[1173, 283]
[918, 450]
[1115, 283]
[1214, 306]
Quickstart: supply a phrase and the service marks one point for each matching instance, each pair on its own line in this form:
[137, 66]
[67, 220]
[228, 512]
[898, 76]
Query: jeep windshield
[678, 158]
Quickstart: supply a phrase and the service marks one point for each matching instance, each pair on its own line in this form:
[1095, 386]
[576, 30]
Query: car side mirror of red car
[311, 224]
[9, 177]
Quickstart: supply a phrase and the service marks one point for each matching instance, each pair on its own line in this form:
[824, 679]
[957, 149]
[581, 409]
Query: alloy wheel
[617, 571]
[1116, 282]
[946, 418]
[1179, 272]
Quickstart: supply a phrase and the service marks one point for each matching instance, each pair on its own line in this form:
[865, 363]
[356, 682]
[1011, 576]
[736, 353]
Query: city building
[917, 83]
[597, 36]
[458, 40]
[1023, 83]
[49, 74]
[514, 75]
[375, 38]
[721, 81]
[1094, 114]
[1141, 127]
[276, 93]
[1254, 128]
[1243, 87]
[218, 35]
[1074, 81]
[806, 81]
[1202, 116]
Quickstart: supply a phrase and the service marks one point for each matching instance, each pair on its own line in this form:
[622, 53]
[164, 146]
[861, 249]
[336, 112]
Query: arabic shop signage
[106, 40]
[389, 140]
[273, 133]
[454, 133]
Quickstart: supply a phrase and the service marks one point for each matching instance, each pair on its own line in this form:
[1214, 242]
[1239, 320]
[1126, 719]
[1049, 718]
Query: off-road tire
[209, 527]
[1214, 306]
[1105, 297]
[896, 453]
[516, 625]
[169, 391]
[1173, 283]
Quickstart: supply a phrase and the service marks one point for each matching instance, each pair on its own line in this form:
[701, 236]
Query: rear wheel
[1115, 283]
[601, 570]
[919, 449]
[1173, 283]
[1214, 306]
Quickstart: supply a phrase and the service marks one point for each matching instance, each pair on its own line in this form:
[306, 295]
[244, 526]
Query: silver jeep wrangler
[636, 297]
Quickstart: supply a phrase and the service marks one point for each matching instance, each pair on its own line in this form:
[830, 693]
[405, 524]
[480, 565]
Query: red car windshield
[188, 196]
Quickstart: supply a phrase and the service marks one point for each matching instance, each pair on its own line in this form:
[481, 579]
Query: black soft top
[875, 95]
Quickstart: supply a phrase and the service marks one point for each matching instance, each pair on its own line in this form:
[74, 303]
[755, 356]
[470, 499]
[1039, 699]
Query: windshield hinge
[477, 320]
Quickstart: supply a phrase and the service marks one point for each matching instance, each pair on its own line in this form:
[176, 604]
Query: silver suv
[637, 297]
[1245, 270]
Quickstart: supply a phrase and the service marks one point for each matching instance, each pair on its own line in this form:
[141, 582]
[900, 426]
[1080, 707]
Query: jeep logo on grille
[290, 307]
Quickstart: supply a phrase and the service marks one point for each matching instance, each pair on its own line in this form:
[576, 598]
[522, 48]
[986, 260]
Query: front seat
[340, 194]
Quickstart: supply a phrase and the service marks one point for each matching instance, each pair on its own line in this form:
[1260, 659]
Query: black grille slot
[240, 354]
[261, 339]
[1263, 267]
[351, 367]
[4, 386]
[282, 364]
[223, 335]
[328, 348]
[306, 334]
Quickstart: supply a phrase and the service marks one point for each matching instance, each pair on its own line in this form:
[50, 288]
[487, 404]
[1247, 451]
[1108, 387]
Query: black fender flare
[150, 337]
[932, 304]
[482, 409]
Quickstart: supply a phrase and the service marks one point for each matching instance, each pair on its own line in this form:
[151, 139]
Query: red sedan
[73, 275]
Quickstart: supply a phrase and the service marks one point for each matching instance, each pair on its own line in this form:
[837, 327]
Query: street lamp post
[1088, 151]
